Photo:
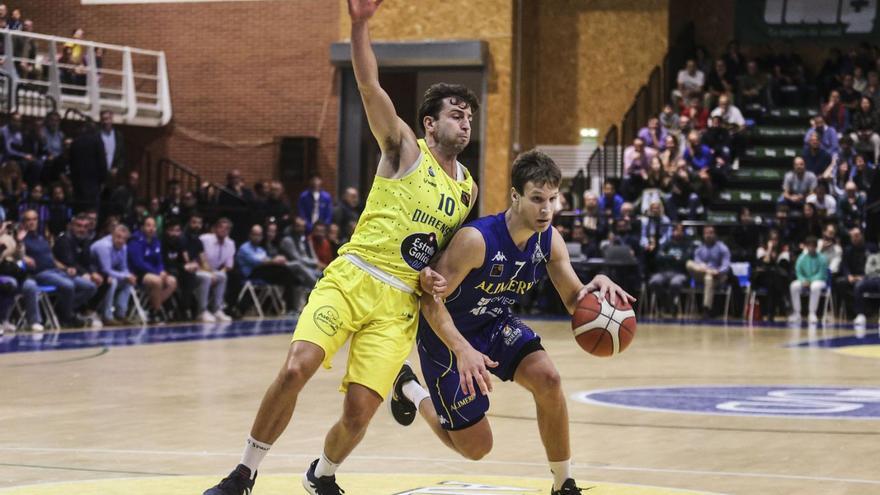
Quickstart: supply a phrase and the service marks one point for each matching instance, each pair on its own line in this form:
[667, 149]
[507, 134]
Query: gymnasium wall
[489, 20]
[584, 61]
[242, 73]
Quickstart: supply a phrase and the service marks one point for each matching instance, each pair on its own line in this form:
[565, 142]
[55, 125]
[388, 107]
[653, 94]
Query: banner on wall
[760, 21]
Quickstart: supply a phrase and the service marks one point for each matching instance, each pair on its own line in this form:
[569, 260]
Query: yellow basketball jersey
[408, 220]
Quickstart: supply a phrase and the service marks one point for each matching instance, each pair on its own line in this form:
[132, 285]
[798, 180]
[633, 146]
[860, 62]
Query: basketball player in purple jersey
[488, 266]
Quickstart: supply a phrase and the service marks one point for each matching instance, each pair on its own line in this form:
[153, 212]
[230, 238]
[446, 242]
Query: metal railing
[607, 160]
[89, 76]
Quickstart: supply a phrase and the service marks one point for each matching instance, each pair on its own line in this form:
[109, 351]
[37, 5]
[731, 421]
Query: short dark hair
[434, 96]
[537, 167]
[811, 241]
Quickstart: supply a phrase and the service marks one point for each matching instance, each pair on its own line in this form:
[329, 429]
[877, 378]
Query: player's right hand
[472, 366]
[362, 10]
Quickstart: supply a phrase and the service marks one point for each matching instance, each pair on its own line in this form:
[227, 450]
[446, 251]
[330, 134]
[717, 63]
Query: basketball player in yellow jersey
[420, 197]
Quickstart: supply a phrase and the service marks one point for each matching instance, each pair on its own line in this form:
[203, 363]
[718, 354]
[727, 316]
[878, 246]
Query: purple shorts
[507, 342]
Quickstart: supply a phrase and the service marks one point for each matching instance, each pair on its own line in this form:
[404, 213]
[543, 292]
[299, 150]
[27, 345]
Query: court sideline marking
[694, 472]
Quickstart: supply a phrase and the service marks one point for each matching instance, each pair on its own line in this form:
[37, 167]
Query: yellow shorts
[380, 319]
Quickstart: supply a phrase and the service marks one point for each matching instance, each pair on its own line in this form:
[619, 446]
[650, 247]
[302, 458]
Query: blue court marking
[743, 400]
[117, 337]
[872, 338]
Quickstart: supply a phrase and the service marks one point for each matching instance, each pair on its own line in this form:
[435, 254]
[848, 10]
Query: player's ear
[514, 196]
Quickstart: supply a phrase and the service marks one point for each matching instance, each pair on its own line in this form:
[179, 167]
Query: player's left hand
[433, 283]
[607, 290]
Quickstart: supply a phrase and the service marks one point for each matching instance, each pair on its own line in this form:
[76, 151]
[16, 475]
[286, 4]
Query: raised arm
[466, 251]
[567, 283]
[395, 138]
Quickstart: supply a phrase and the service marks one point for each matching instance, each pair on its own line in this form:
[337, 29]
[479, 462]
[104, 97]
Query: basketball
[602, 329]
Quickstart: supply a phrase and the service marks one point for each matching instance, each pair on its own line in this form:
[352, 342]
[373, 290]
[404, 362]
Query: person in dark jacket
[88, 169]
[852, 269]
[71, 251]
[145, 260]
[671, 274]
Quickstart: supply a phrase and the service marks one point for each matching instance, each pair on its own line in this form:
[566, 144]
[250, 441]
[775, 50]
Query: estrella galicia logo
[418, 249]
[327, 320]
[787, 401]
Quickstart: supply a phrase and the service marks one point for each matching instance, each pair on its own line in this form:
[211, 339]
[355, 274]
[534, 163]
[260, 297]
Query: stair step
[787, 134]
[758, 174]
[773, 153]
[747, 197]
[799, 115]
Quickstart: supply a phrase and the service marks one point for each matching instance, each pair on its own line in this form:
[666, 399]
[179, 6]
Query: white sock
[561, 471]
[325, 467]
[414, 392]
[253, 455]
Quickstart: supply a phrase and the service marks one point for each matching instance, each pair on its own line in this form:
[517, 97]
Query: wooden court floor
[178, 414]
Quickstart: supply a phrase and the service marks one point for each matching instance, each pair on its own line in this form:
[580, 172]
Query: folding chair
[261, 292]
[136, 308]
[697, 288]
[742, 270]
[44, 306]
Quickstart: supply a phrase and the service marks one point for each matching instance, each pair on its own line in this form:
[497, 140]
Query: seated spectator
[54, 145]
[656, 182]
[809, 224]
[734, 59]
[865, 125]
[347, 213]
[671, 273]
[697, 154]
[73, 290]
[690, 81]
[827, 135]
[870, 283]
[785, 224]
[335, 241]
[219, 252]
[610, 202]
[744, 237]
[771, 273]
[849, 97]
[752, 86]
[276, 207]
[18, 148]
[852, 270]
[124, 198]
[845, 154]
[655, 228]
[670, 155]
[872, 90]
[254, 263]
[811, 271]
[172, 205]
[320, 245]
[684, 199]
[825, 205]
[297, 249]
[840, 177]
[835, 113]
[797, 184]
[73, 256]
[154, 209]
[60, 213]
[636, 161]
[669, 120]
[710, 265]
[697, 115]
[110, 255]
[14, 281]
[271, 240]
[817, 160]
[851, 207]
[36, 202]
[179, 266]
[829, 247]
[592, 217]
[720, 82]
[211, 275]
[863, 173]
[653, 135]
[860, 82]
[315, 204]
[145, 259]
[731, 116]
[718, 138]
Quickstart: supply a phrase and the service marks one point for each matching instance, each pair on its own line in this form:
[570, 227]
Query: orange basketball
[602, 329]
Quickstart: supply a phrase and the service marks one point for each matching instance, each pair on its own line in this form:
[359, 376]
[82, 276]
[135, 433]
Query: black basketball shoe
[325, 485]
[238, 482]
[403, 409]
[569, 488]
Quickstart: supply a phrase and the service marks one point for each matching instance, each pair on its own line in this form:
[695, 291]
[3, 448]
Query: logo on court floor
[327, 320]
[787, 401]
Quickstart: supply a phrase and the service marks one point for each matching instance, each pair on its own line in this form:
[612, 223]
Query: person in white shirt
[824, 203]
[690, 81]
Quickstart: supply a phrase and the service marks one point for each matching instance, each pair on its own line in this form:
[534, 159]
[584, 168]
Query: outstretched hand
[607, 290]
[433, 283]
[362, 10]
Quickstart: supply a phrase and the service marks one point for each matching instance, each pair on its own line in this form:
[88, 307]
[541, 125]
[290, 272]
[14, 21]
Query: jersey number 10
[447, 204]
